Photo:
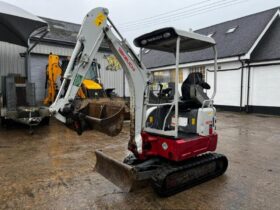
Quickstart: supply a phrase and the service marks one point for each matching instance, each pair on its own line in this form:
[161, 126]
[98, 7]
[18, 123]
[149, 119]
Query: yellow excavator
[91, 86]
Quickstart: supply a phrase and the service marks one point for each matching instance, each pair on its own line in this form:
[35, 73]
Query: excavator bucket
[105, 116]
[120, 174]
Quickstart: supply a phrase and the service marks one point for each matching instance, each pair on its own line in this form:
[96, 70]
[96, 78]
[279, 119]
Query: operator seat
[193, 93]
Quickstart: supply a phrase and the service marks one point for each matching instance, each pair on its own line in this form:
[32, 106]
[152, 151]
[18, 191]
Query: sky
[135, 17]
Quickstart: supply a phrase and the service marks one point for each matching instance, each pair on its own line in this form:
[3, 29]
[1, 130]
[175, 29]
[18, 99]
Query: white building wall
[264, 81]
[10, 60]
[265, 86]
[45, 49]
[228, 84]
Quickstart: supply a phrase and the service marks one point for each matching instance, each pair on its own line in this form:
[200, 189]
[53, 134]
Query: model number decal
[127, 60]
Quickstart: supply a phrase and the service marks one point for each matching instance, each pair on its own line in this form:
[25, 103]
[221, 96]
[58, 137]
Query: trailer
[18, 103]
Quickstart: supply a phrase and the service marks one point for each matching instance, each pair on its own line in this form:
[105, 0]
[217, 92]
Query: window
[146, 51]
[231, 30]
[173, 75]
[199, 69]
[58, 26]
[167, 76]
[211, 34]
[162, 76]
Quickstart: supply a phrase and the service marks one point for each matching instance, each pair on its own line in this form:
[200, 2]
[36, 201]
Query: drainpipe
[241, 85]
[248, 87]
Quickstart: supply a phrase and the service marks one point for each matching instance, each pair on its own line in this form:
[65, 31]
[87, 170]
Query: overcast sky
[135, 17]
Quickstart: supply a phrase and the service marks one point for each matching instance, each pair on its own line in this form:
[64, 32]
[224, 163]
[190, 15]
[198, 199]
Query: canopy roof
[165, 40]
[17, 25]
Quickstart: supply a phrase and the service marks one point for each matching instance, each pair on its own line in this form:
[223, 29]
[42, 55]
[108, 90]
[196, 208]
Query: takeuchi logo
[127, 60]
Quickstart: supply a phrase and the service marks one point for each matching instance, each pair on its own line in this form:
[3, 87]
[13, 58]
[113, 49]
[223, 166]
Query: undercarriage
[166, 177]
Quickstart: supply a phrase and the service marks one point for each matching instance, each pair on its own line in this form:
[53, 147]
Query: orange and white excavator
[172, 141]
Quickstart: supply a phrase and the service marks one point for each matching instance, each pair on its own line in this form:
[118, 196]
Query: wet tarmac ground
[54, 169]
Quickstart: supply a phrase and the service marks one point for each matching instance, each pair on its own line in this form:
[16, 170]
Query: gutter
[54, 41]
[68, 44]
[198, 63]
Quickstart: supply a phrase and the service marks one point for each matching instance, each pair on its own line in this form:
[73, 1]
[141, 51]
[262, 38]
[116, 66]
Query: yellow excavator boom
[54, 71]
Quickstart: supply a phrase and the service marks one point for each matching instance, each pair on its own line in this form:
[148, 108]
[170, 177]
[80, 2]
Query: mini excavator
[172, 143]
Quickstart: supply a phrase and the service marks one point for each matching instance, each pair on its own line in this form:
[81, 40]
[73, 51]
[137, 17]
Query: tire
[6, 123]
[3, 121]
[46, 121]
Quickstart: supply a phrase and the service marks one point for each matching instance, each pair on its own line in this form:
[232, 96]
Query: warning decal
[99, 19]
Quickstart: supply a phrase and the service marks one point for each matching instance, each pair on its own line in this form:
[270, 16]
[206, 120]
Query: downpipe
[241, 85]
[248, 87]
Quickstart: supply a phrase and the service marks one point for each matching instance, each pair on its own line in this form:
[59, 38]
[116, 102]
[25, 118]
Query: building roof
[63, 33]
[269, 47]
[246, 31]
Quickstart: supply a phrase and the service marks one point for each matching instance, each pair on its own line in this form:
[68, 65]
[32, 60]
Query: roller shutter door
[38, 75]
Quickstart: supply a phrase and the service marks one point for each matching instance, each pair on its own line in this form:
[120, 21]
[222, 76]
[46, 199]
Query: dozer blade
[120, 174]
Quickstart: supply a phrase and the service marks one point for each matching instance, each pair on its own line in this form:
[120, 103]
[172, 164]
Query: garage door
[38, 75]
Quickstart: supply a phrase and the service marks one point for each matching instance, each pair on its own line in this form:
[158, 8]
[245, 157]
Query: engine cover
[178, 149]
[206, 119]
[199, 121]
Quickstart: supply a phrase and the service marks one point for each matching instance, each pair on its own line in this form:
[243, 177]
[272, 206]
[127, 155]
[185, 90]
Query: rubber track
[159, 180]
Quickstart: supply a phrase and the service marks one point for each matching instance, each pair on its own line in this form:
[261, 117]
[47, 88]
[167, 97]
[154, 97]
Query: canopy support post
[30, 48]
